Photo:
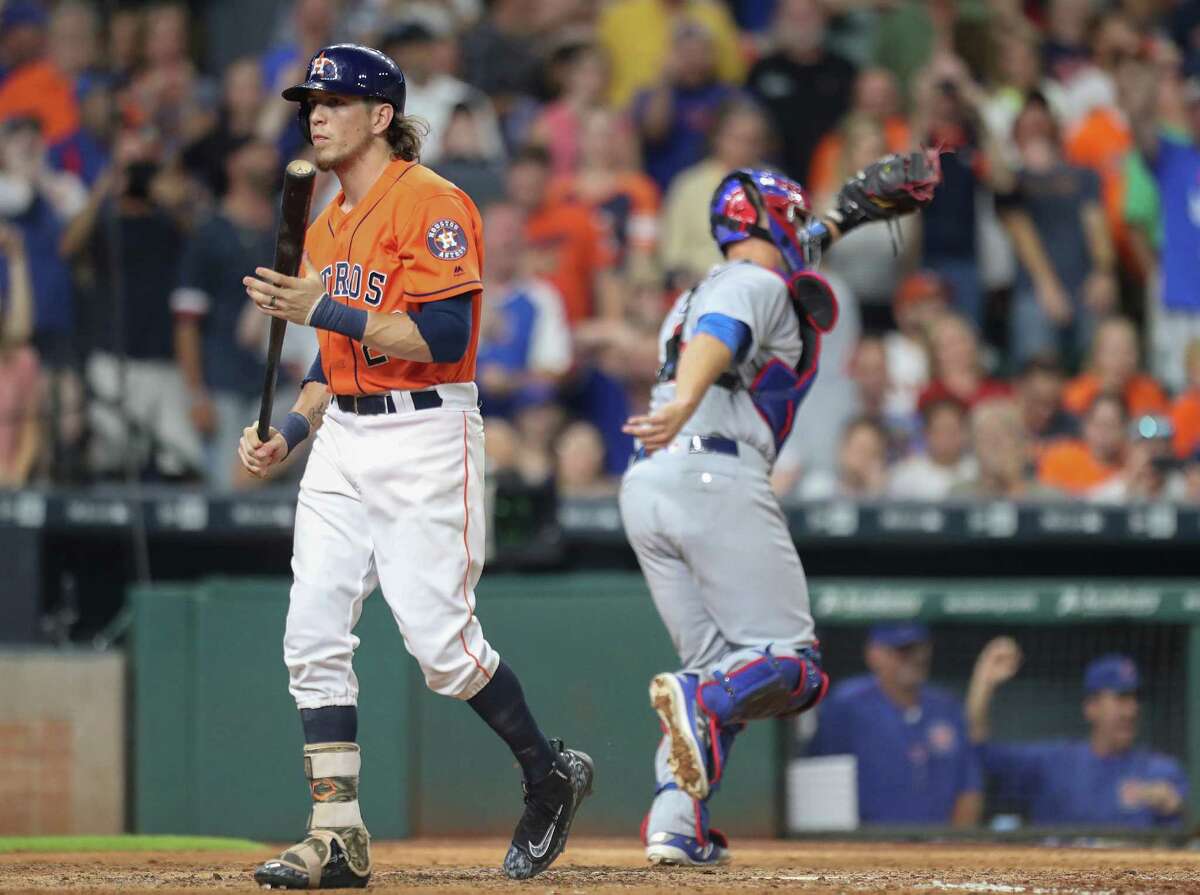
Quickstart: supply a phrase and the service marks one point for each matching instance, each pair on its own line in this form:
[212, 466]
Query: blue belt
[697, 444]
[370, 405]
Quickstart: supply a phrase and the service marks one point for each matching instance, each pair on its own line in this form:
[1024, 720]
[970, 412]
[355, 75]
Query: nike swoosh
[539, 851]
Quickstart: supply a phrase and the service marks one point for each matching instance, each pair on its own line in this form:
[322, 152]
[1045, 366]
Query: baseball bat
[298, 180]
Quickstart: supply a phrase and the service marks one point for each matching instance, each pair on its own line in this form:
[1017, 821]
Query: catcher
[739, 352]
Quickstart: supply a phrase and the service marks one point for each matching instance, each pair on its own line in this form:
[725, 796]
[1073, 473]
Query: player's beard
[331, 157]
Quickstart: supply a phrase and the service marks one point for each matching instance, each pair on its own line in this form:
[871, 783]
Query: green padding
[218, 741]
[125, 843]
[218, 745]
[585, 648]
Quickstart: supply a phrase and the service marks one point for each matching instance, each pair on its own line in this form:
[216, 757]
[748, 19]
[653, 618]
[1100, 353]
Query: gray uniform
[708, 531]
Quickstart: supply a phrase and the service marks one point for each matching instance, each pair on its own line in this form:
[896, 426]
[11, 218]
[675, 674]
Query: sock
[331, 724]
[501, 703]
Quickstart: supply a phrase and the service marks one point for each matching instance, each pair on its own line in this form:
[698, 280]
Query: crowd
[1033, 334]
[924, 757]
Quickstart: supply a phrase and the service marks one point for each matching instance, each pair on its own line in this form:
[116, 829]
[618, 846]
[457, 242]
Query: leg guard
[337, 852]
[769, 686]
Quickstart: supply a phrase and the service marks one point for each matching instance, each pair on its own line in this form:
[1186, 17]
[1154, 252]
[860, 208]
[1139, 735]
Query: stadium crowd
[1034, 334]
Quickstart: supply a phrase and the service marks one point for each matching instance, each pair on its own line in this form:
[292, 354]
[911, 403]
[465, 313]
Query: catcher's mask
[753, 202]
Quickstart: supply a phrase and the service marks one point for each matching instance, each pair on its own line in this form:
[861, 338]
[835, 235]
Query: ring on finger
[271, 303]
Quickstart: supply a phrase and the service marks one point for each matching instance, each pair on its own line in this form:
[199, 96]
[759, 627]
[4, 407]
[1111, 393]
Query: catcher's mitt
[893, 186]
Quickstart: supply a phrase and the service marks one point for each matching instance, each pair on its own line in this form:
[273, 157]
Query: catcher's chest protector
[779, 389]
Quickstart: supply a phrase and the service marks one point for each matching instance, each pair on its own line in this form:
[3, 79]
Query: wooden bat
[298, 180]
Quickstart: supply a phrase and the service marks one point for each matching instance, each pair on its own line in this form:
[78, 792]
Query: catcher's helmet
[349, 69]
[754, 202]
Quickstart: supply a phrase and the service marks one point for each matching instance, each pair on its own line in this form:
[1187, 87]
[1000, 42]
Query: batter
[393, 492]
[738, 353]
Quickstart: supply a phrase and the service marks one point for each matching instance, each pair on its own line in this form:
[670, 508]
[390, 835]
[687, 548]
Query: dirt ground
[589, 866]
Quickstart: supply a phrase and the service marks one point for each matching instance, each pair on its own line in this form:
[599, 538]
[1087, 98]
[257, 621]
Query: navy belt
[697, 444]
[370, 405]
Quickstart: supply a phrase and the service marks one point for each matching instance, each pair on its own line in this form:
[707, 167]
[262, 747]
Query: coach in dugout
[915, 762]
[1102, 781]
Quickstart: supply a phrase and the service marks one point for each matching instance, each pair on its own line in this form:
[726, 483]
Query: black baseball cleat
[550, 807]
[322, 861]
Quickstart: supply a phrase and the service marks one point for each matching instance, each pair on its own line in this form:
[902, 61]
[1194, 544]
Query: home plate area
[612, 865]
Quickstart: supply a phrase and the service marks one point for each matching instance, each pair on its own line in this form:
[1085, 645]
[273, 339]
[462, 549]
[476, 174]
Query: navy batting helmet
[349, 69]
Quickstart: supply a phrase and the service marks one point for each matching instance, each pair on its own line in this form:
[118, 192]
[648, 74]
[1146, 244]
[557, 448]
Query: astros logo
[446, 240]
[324, 68]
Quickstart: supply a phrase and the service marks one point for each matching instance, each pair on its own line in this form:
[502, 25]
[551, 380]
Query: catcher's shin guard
[337, 852]
[768, 687]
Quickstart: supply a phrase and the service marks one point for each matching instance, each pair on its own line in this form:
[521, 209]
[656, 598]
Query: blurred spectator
[166, 94]
[1016, 75]
[1090, 467]
[466, 161]
[1065, 50]
[871, 376]
[675, 116]
[1099, 135]
[88, 151]
[1185, 410]
[688, 250]
[1040, 387]
[1166, 117]
[566, 245]
[1066, 281]
[21, 391]
[579, 463]
[957, 366]
[876, 99]
[1113, 368]
[311, 26]
[948, 115]
[861, 465]
[126, 249]
[1105, 780]
[507, 459]
[433, 95]
[915, 763]
[998, 442]
[872, 258]
[919, 301]
[537, 426]
[123, 49]
[73, 43]
[624, 200]
[41, 201]
[236, 121]
[1152, 472]
[804, 88]
[636, 34]
[584, 74]
[524, 341]
[498, 52]
[31, 85]
[945, 463]
[224, 379]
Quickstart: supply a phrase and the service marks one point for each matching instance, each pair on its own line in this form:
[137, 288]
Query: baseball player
[739, 353]
[393, 490]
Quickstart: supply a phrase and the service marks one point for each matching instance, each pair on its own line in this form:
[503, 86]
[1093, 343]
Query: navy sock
[501, 703]
[331, 724]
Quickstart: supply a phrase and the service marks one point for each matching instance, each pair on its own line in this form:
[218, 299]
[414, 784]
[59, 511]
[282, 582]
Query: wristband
[294, 429]
[338, 318]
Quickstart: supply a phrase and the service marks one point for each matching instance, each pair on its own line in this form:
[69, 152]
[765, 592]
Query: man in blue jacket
[1104, 780]
[915, 762]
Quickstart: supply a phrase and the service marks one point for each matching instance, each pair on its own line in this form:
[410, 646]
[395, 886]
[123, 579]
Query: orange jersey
[1141, 394]
[413, 238]
[1069, 466]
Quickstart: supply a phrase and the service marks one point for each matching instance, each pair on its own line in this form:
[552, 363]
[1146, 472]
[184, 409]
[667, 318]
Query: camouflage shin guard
[332, 770]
